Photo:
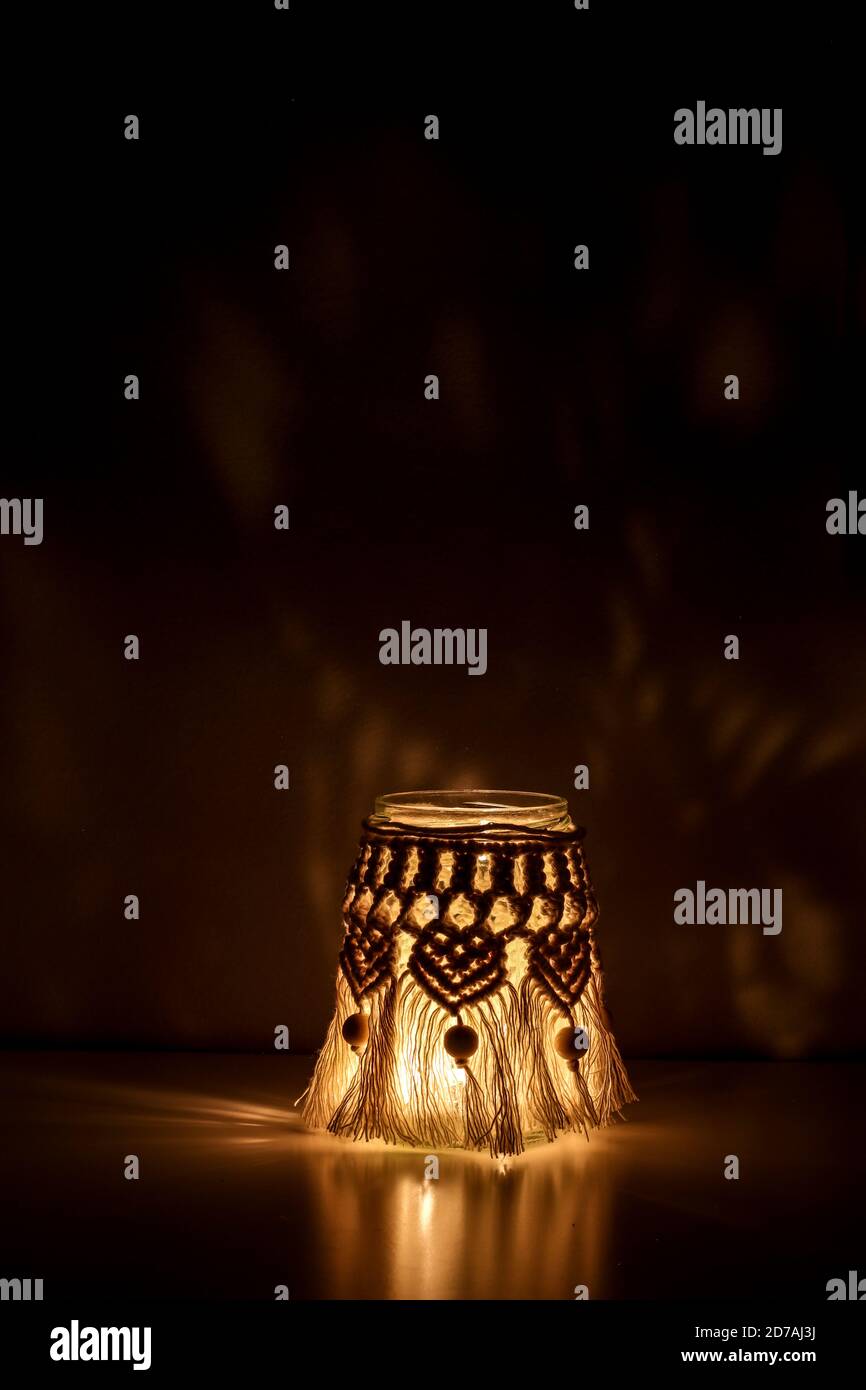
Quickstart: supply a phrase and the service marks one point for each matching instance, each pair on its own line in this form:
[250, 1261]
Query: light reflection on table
[235, 1196]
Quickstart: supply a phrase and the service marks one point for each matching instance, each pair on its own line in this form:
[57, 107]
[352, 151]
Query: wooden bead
[566, 1042]
[461, 1042]
[356, 1030]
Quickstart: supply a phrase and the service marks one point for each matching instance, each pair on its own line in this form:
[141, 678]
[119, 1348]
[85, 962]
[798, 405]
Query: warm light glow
[468, 965]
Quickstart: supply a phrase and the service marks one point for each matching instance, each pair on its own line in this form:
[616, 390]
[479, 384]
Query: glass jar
[470, 996]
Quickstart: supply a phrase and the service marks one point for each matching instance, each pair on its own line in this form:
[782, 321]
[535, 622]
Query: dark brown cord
[458, 957]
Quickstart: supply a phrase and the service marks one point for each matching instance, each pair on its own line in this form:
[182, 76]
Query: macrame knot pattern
[492, 929]
[367, 953]
[458, 966]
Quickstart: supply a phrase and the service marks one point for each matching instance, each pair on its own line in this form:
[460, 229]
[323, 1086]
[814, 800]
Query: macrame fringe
[558, 1099]
[335, 1065]
[404, 1088]
[371, 1109]
[605, 1071]
[430, 1110]
[475, 1114]
[496, 1020]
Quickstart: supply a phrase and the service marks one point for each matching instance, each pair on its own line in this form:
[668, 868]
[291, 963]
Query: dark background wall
[258, 647]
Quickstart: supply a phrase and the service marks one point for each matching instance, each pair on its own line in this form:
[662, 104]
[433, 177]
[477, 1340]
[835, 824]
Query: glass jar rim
[472, 807]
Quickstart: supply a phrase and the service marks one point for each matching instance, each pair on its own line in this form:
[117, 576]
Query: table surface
[235, 1196]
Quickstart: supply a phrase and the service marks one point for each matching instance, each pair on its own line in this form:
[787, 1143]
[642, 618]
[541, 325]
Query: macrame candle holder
[470, 996]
